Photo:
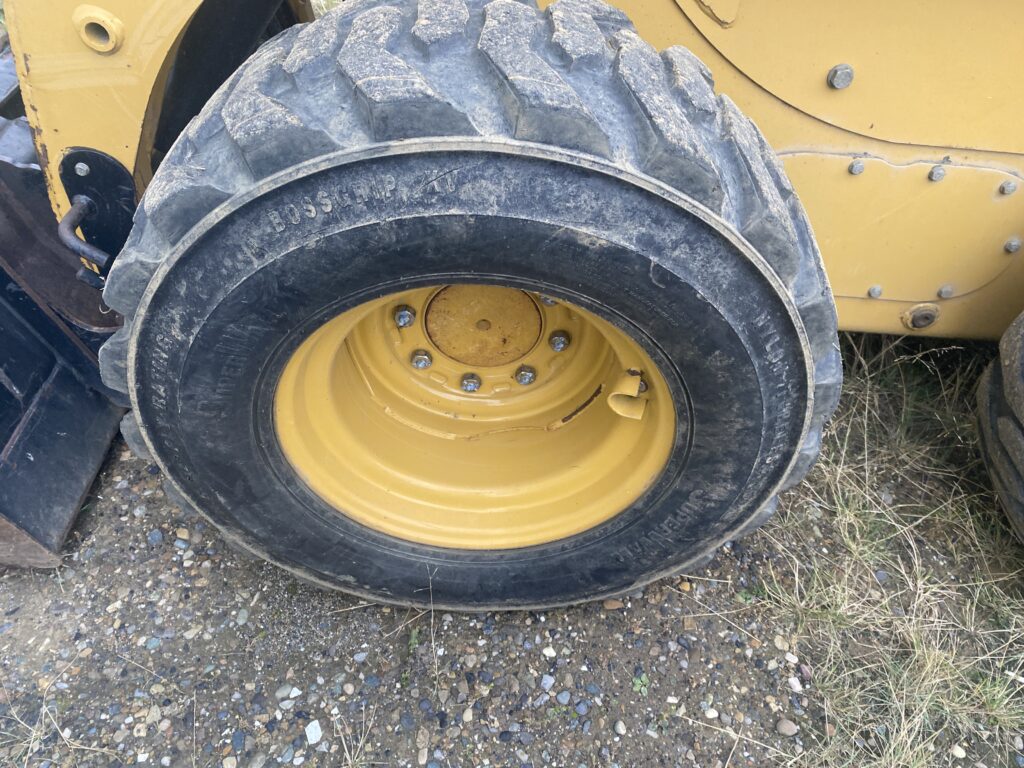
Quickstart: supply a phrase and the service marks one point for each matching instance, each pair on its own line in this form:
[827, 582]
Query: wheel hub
[483, 325]
[474, 417]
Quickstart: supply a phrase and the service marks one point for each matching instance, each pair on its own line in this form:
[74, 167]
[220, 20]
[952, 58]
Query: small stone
[786, 727]
[546, 682]
[182, 533]
[229, 762]
[313, 732]
[795, 685]
[958, 752]
[467, 715]
[563, 697]
[360, 657]
[792, 658]
[620, 728]
[780, 643]
[613, 605]
[711, 713]
[155, 537]
[242, 617]
[283, 691]
[549, 652]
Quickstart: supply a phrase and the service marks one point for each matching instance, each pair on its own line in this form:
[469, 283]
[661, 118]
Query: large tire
[403, 143]
[1001, 423]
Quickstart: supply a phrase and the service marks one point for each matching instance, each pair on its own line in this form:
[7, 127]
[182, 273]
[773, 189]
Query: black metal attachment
[110, 189]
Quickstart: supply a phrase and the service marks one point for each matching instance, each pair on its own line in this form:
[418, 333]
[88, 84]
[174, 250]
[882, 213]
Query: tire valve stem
[470, 382]
[421, 359]
[404, 316]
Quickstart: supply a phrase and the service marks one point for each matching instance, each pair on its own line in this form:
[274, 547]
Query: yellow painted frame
[892, 238]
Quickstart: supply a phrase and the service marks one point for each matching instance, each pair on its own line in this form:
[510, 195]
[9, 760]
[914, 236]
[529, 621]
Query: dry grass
[901, 573]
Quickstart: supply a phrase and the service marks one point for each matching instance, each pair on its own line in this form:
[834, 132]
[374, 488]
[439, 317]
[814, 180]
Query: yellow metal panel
[950, 232]
[855, 225]
[941, 74]
[81, 92]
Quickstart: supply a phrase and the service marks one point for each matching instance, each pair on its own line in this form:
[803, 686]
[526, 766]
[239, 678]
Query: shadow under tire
[389, 149]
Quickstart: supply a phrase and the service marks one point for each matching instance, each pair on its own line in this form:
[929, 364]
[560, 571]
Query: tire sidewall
[247, 286]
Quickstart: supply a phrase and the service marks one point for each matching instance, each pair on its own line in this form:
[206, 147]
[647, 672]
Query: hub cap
[409, 450]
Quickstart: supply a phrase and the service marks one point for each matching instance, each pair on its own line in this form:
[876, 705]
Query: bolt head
[856, 167]
[643, 386]
[559, 340]
[1008, 187]
[840, 76]
[937, 173]
[404, 316]
[946, 291]
[875, 291]
[526, 375]
[1012, 245]
[547, 301]
[470, 382]
[420, 359]
[81, 169]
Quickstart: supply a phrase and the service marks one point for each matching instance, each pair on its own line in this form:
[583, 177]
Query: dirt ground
[875, 622]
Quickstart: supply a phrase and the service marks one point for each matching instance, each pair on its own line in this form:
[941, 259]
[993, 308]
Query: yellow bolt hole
[100, 30]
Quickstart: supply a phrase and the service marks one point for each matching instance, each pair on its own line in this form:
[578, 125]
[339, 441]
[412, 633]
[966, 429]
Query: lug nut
[81, 169]
[643, 386]
[559, 340]
[470, 382]
[840, 76]
[404, 316]
[421, 359]
[526, 375]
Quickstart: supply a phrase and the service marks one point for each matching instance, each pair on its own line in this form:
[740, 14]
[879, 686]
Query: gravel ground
[156, 644]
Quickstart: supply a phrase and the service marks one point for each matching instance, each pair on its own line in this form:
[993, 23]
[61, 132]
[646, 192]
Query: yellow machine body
[912, 174]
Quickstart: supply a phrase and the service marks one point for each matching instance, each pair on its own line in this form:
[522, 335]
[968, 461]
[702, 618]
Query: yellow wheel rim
[474, 417]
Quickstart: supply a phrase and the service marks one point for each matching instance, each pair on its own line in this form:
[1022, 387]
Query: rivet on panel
[856, 167]
[875, 291]
[840, 76]
[946, 291]
[937, 173]
[1012, 245]
[1008, 187]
